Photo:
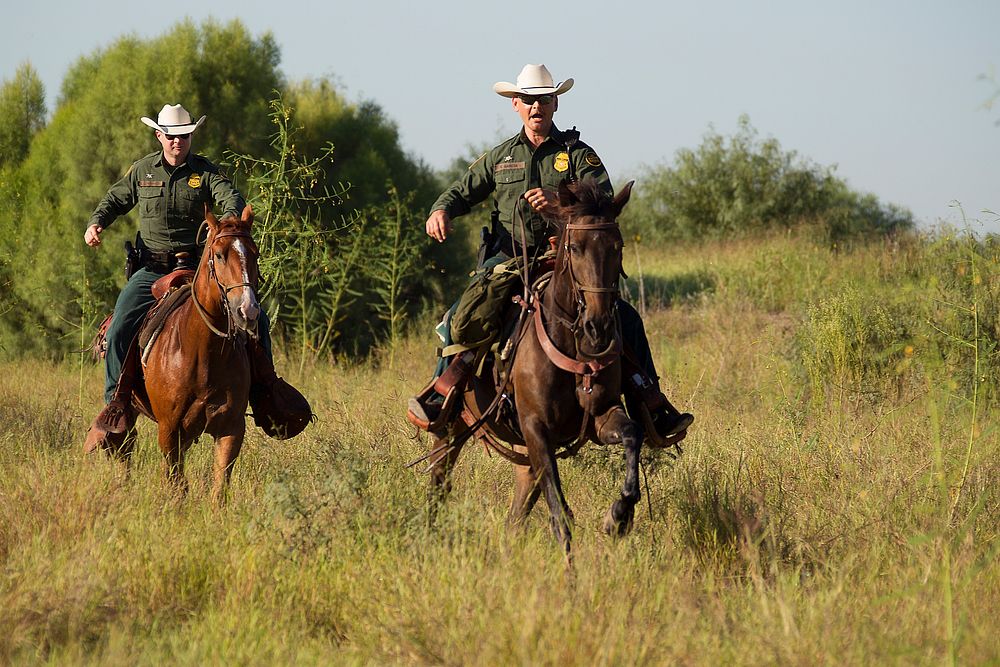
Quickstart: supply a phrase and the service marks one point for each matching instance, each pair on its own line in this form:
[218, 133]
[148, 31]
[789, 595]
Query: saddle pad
[174, 299]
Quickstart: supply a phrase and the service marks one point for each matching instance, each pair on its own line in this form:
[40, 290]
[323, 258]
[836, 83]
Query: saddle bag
[98, 347]
[478, 317]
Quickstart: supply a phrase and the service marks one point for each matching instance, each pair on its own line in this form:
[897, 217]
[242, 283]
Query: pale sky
[889, 92]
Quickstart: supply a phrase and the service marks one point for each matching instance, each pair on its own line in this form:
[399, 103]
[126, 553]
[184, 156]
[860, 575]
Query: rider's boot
[99, 438]
[662, 421]
[118, 416]
[278, 407]
[425, 409]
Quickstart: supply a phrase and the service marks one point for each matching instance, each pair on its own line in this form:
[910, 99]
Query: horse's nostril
[249, 311]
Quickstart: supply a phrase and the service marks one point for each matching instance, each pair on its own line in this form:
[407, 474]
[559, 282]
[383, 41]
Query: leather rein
[231, 330]
[587, 368]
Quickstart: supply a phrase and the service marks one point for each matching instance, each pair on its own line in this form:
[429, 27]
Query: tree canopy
[53, 286]
[22, 114]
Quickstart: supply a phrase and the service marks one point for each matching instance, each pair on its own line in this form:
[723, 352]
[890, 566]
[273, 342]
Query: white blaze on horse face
[249, 308]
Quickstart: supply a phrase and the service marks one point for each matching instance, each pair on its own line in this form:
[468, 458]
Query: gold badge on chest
[562, 161]
[194, 180]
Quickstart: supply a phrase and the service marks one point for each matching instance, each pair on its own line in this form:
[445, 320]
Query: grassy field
[837, 502]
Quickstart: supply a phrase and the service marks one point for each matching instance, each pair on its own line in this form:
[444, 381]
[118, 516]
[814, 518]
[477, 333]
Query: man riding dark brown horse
[527, 170]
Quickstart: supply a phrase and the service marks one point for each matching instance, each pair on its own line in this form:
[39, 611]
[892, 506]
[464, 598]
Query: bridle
[232, 330]
[592, 364]
[578, 288]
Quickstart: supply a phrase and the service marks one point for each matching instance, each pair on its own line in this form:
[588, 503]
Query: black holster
[133, 259]
[485, 245]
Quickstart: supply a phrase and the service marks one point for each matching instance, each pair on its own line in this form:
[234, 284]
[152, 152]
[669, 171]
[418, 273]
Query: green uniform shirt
[509, 170]
[171, 204]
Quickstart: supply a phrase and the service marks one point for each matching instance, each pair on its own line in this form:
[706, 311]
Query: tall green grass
[829, 509]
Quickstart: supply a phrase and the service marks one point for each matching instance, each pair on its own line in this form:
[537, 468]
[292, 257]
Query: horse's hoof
[616, 527]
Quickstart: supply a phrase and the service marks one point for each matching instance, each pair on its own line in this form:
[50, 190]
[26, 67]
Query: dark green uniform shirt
[171, 204]
[509, 170]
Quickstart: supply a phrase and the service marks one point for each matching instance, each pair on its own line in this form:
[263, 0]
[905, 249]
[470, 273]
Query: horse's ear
[566, 196]
[622, 198]
[247, 216]
[213, 223]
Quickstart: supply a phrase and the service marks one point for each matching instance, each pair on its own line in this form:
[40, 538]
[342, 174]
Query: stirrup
[668, 440]
[451, 385]
[417, 413]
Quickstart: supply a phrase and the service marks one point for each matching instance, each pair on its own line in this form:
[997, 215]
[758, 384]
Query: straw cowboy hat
[173, 119]
[533, 80]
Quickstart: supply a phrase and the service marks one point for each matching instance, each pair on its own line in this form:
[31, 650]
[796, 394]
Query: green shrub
[853, 342]
[962, 315]
[742, 185]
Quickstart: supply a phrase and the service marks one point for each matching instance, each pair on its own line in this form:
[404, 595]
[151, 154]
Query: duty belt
[166, 261]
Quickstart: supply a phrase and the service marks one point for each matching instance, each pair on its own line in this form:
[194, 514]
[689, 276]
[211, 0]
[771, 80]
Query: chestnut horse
[197, 374]
[566, 373]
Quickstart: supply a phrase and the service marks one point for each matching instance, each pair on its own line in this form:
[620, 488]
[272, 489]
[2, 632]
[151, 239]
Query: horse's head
[230, 259]
[590, 257]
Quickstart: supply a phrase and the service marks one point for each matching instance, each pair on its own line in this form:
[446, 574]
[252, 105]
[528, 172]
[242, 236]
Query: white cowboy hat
[173, 119]
[533, 80]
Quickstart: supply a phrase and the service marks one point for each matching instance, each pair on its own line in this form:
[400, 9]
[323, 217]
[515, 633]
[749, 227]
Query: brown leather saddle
[171, 291]
[169, 297]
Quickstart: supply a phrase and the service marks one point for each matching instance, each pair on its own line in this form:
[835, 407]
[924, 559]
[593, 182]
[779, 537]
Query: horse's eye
[574, 248]
[218, 255]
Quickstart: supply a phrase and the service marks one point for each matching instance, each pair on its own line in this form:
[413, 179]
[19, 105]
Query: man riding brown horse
[527, 169]
[172, 188]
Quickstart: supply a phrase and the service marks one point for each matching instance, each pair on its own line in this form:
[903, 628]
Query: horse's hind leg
[445, 453]
[227, 448]
[612, 428]
[122, 452]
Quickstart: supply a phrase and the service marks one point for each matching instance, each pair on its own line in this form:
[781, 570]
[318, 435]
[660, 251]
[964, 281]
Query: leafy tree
[366, 144]
[93, 137]
[61, 288]
[742, 185]
[22, 114]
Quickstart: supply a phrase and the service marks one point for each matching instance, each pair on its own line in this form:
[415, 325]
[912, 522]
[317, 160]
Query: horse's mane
[592, 201]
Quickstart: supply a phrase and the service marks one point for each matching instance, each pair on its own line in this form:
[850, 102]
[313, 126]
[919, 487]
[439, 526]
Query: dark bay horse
[197, 374]
[566, 374]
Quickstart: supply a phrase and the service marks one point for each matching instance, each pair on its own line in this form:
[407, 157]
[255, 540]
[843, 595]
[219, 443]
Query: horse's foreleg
[615, 427]
[227, 448]
[543, 462]
[173, 457]
[526, 492]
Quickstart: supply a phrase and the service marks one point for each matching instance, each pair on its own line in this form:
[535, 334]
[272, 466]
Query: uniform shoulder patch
[592, 159]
